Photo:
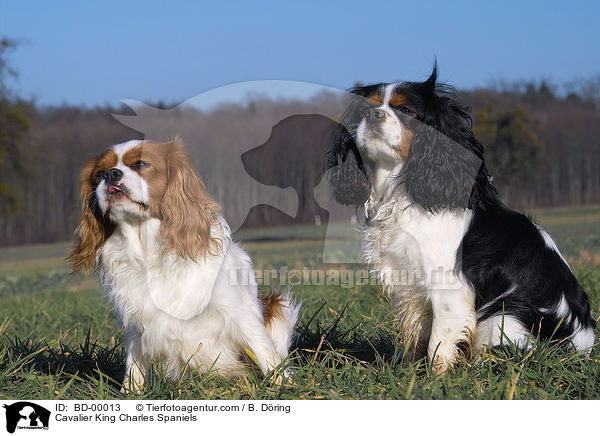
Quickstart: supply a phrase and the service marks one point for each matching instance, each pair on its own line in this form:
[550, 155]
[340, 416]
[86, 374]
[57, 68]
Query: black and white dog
[459, 265]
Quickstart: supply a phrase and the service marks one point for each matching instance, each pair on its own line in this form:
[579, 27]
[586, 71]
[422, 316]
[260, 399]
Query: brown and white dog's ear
[187, 212]
[93, 229]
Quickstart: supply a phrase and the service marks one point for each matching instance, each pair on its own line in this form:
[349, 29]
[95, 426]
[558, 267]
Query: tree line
[541, 147]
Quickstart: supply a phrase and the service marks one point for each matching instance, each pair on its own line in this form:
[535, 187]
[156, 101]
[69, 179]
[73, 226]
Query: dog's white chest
[406, 243]
[146, 284]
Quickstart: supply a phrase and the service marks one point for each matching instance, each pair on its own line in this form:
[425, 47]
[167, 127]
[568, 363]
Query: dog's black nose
[376, 114]
[113, 175]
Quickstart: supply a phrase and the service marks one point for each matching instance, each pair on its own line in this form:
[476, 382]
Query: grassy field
[60, 340]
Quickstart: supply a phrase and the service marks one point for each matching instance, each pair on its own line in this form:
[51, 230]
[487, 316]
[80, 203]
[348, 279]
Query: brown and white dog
[184, 291]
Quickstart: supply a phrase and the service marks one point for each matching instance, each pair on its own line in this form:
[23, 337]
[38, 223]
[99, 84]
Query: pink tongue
[112, 189]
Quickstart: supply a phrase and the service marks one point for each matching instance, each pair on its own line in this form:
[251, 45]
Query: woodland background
[541, 142]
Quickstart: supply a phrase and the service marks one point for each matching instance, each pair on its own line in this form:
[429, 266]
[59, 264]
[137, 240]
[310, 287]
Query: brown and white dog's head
[140, 180]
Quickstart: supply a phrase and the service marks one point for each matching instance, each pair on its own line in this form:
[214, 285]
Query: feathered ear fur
[187, 212]
[439, 173]
[93, 228]
[346, 170]
[445, 167]
[430, 84]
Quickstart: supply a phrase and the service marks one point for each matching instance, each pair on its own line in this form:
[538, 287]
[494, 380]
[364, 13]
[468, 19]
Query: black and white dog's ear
[430, 84]
[346, 169]
[439, 173]
[444, 168]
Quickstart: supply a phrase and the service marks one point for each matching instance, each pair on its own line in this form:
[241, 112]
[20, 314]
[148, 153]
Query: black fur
[504, 249]
[346, 169]
[439, 173]
[445, 158]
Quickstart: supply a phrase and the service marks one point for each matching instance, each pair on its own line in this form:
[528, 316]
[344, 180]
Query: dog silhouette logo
[26, 415]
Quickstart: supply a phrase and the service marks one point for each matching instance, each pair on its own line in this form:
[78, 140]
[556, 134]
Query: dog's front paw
[440, 365]
[281, 377]
[443, 357]
[132, 385]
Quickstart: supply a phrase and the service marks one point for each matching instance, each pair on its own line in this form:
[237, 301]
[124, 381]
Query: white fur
[182, 313]
[413, 251]
[551, 244]
[562, 309]
[583, 338]
[414, 254]
[138, 190]
[502, 329]
[381, 145]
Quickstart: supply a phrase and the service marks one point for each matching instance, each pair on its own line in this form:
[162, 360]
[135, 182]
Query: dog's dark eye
[406, 110]
[138, 165]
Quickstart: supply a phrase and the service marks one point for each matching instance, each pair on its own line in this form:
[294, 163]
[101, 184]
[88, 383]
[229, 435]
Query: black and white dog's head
[420, 133]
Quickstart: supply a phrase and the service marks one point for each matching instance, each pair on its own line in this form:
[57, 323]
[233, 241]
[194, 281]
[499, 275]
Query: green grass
[59, 339]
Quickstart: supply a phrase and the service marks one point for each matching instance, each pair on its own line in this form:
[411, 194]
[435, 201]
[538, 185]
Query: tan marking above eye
[132, 156]
[375, 99]
[152, 153]
[108, 160]
[398, 100]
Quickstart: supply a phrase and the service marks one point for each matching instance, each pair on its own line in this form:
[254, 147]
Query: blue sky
[101, 52]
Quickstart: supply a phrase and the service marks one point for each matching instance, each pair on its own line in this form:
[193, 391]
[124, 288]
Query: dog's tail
[280, 313]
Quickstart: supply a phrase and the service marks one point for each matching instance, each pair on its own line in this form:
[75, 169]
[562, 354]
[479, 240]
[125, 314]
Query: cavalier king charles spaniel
[183, 289]
[461, 268]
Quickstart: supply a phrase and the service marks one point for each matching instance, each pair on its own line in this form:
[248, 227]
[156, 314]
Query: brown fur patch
[108, 160]
[135, 154]
[272, 307]
[398, 100]
[407, 138]
[186, 209]
[92, 230]
[375, 99]
[155, 175]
